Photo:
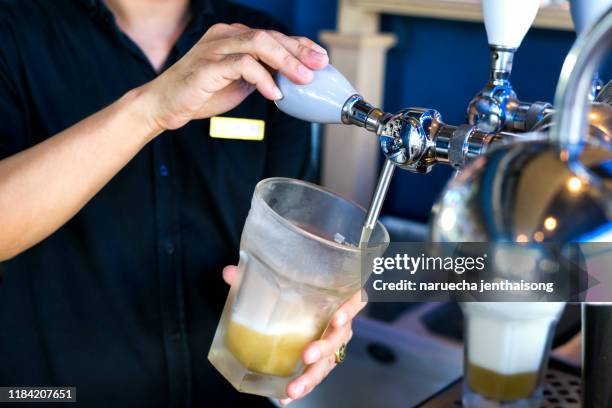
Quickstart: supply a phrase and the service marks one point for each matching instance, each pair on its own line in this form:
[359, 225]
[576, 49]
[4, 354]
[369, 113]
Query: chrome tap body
[416, 139]
[496, 107]
[357, 111]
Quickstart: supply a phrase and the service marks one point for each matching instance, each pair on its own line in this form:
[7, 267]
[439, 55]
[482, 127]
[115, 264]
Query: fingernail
[303, 71]
[277, 93]
[313, 356]
[285, 402]
[318, 56]
[341, 319]
[298, 390]
[317, 48]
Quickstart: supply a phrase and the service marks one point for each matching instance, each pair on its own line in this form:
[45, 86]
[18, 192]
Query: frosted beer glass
[298, 262]
[507, 345]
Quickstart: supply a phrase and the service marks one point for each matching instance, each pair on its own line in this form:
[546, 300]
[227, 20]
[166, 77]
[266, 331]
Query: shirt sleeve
[13, 129]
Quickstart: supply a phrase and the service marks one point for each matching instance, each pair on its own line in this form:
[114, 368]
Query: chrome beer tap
[416, 139]
[496, 107]
[413, 139]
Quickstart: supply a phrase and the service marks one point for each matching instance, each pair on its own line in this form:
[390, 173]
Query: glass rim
[285, 222]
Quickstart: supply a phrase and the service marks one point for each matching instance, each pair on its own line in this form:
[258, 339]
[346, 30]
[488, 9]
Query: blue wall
[436, 64]
[302, 17]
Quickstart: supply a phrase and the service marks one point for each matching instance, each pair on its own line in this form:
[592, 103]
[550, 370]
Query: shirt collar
[199, 8]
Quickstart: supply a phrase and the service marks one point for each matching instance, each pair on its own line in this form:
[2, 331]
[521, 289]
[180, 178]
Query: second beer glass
[507, 345]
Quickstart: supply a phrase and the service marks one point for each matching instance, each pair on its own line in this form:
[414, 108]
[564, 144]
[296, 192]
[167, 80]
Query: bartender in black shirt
[118, 209]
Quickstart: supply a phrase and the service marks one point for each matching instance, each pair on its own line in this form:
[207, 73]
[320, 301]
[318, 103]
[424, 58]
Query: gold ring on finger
[340, 354]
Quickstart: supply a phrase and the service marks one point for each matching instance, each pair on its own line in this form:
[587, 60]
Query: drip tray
[562, 389]
[387, 367]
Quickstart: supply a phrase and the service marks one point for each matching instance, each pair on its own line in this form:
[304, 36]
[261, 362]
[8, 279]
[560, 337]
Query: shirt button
[169, 247]
[163, 170]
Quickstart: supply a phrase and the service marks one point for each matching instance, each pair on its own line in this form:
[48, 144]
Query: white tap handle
[507, 21]
[587, 12]
[320, 101]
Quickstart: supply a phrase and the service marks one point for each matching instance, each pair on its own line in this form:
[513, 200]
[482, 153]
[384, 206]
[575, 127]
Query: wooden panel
[551, 16]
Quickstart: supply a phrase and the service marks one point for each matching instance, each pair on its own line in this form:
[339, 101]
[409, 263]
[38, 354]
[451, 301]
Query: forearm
[44, 186]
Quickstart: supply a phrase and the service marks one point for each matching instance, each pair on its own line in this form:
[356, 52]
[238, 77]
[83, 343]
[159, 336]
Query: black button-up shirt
[123, 301]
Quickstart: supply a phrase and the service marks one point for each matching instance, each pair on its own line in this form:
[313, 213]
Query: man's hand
[223, 68]
[319, 355]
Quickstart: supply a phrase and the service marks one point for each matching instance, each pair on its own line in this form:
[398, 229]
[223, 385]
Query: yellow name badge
[236, 128]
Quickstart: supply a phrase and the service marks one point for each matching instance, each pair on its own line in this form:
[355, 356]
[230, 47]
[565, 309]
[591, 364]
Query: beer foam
[305, 327]
[509, 338]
